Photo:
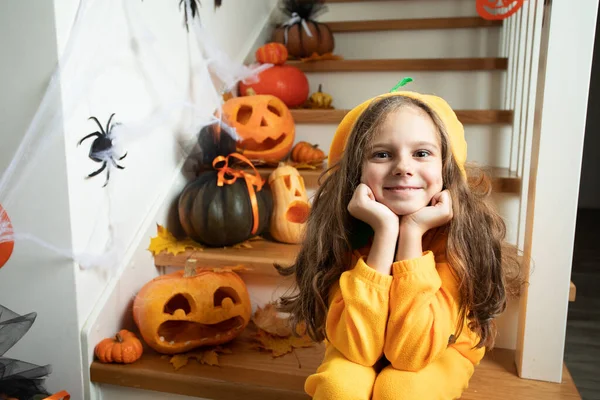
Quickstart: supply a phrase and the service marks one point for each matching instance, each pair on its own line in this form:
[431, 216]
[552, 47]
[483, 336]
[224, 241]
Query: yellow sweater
[408, 316]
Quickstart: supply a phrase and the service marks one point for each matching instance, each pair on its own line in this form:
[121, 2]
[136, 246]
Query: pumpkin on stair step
[223, 214]
[190, 308]
[123, 348]
[264, 124]
[301, 34]
[290, 205]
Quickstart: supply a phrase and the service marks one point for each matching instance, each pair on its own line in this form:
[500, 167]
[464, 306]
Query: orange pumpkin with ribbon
[226, 206]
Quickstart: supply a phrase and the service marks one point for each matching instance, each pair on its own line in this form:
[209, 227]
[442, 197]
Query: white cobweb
[113, 63]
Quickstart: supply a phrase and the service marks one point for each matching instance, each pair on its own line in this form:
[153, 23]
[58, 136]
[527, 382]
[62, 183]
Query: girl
[402, 270]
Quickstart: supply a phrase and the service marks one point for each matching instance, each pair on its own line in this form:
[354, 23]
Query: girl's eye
[381, 154]
[422, 153]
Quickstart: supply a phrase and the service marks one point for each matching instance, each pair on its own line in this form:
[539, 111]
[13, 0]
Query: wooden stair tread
[411, 24]
[260, 258]
[249, 374]
[467, 117]
[423, 64]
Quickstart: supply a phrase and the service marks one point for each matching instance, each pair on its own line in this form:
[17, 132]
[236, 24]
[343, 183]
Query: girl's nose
[403, 167]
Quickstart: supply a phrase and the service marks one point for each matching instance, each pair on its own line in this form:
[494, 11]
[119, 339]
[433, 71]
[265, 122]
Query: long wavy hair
[485, 265]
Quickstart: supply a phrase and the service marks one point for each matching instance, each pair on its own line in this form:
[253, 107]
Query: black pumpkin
[222, 215]
[213, 142]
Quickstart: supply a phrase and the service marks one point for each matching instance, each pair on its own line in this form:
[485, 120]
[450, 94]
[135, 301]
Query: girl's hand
[363, 206]
[437, 214]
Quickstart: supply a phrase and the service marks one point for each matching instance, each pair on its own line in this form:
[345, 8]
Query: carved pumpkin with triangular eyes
[187, 309]
[264, 124]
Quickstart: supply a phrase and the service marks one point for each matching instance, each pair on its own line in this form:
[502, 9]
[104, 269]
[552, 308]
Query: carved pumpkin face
[178, 312]
[6, 242]
[497, 9]
[290, 205]
[264, 124]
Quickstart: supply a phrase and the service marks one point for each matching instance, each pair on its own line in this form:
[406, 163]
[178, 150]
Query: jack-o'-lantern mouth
[182, 332]
[501, 10]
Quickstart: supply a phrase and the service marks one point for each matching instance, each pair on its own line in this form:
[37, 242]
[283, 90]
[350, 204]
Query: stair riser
[488, 144]
[461, 89]
[436, 43]
[398, 9]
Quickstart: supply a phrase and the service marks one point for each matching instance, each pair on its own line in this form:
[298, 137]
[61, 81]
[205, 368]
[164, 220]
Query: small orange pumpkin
[305, 152]
[290, 205]
[273, 53]
[265, 125]
[124, 348]
[194, 307]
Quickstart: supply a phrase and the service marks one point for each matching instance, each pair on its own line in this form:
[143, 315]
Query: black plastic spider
[101, 148]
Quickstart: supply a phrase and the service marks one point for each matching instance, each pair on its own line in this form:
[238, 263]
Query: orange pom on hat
[454, 128]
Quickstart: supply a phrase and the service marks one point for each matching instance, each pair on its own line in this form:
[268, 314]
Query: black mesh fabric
[19, 379]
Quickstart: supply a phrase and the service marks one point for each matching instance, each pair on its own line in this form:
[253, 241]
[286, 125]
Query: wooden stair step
[411, 24]
[249, 374]
[467, 117]
[423, 64]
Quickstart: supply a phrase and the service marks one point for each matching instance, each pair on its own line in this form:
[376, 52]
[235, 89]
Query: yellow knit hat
[454, 128]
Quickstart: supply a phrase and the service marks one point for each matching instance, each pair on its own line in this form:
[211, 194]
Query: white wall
[35, 279]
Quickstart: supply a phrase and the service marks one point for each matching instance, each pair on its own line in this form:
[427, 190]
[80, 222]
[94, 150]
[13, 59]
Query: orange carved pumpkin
[264, 124]
[290, 205]
[124, 348]
[497, 9]
[6, 242]
[273, 53]
[285, 82]
[191, 308]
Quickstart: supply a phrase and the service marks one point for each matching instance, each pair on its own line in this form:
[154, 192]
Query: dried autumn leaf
[166, 241]
[209, 357]
[280, 346]
[269, 321]
[243, 245]
[234, 268]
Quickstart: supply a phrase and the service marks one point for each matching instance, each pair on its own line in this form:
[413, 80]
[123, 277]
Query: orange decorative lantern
[272, 53]
[285, 82]
[290, 205]
[265, 125]
[6, 242]
[195, 307]
[497, 9]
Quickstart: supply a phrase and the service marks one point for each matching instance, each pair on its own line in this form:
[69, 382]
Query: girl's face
[404, 168]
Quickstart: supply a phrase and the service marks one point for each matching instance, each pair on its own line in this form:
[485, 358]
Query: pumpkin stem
[320, 87]
[119, 338]
[190, 268]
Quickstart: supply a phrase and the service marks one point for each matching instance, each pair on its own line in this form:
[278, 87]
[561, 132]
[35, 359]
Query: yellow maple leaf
[268, 320]
[164, 240]
[209, 357]
[279, 346]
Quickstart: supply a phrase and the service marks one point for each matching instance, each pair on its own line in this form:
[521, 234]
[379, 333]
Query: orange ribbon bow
[251, 181]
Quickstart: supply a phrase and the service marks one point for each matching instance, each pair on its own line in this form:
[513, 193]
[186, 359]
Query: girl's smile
[404, 167]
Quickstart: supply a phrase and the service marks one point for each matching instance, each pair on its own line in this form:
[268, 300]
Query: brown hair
[475, 248]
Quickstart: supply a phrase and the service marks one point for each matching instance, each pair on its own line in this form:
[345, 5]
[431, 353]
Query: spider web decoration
[18, 379]
[113, 62]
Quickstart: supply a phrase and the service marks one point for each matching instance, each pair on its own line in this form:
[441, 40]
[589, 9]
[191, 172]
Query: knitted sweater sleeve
[424, 309]
[358, 314]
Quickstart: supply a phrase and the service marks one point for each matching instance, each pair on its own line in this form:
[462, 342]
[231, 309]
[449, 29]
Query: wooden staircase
[249, 374]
